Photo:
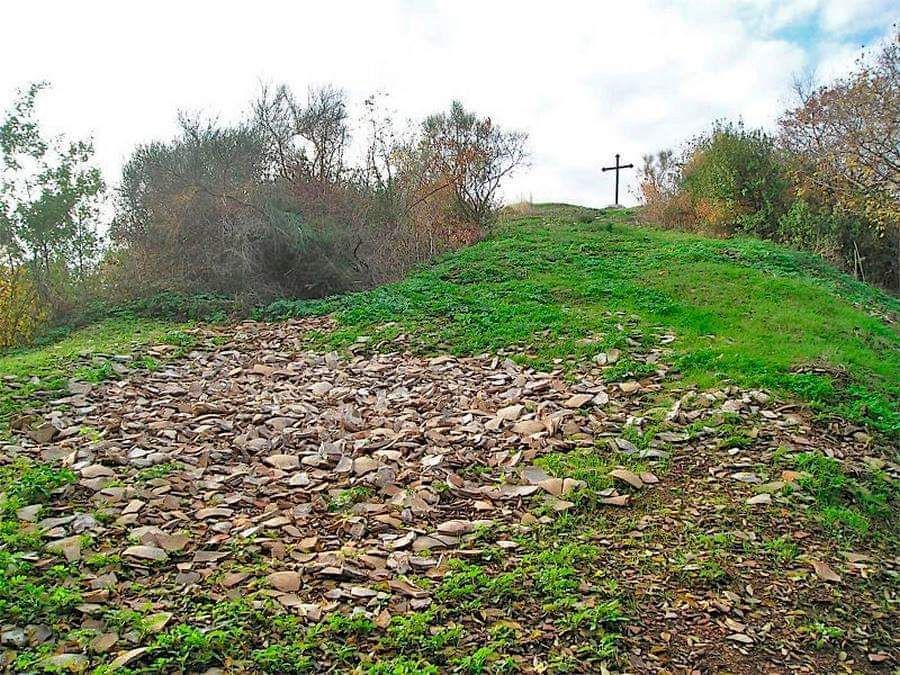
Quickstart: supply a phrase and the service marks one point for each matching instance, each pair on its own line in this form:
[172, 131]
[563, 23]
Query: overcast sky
[585, 79]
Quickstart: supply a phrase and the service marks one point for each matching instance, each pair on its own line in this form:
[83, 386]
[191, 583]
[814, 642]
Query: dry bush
[663, 202]
[520, 209]
[472, 156]
[269, 208]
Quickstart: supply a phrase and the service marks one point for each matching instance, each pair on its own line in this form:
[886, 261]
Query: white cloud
[586, 79]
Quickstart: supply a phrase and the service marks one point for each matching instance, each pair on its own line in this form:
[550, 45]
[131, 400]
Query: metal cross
[617, 167]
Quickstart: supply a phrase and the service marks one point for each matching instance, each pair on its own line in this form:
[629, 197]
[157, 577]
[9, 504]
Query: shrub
[22, 315]
[804, 226]
[728, 180]
[735, 180]
[49, 202]
[827, 183]
[268, 207]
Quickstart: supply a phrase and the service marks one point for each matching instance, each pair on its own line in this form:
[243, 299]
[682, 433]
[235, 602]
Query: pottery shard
[43, 434]
[172, 542]
[28, 513]
[60, 662]
[80, 388]
[602, 398]
[321, 388]
[560, 486]
[364, 465]
[103, 642]
[823, 571]
[628, 477]
[283, 461]
[70, 547]
[124, 658]
[455, 527]
[146, 552]
[578, 400]
[213, 512]
[629, 387]
[96, 471]
[510, 412]
[286, 582]
[528, 427]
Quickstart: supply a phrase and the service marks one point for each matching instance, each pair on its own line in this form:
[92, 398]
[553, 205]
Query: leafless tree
[305, 140]
[323, 122]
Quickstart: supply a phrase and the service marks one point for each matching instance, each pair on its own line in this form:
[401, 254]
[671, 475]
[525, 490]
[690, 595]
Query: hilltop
[580, 444]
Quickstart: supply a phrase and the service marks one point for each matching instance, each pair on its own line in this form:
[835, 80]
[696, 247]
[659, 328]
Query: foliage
[735, 180]
[49, 201]
[854, 503]
[25, 483]
[827, 183]
[729, 180]
[269, 206]
[21, 313]
[471, 156]
[844, 141]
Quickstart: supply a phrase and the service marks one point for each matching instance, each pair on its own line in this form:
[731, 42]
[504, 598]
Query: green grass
[858, 505]
[23, 483]
[742, 310]
[47, 368]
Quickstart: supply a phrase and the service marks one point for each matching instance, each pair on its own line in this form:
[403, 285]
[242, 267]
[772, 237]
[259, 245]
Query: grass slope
[567, 283]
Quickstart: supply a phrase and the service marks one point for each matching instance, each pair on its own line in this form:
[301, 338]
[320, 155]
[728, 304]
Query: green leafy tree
[49, 198]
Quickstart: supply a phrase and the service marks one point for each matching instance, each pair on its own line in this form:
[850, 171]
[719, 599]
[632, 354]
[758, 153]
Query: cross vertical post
[617, 168]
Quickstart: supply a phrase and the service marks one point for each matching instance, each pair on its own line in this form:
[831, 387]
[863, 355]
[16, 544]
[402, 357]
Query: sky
[585, 79]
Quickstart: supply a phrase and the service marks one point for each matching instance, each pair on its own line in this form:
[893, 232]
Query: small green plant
[419, 633]
[99, 561]
[401, 665]
[345, 498]
[97, 373]
[468, 587]
[145, 363]
[586, 465]
[783, 548]
[157, 471]
[287, 659]
[601, 617]
[15, 538]
[821, 634]
[28, 483]
[179, 338]
[477, 662]
[27, 600]
[188, 648]
[346, 626]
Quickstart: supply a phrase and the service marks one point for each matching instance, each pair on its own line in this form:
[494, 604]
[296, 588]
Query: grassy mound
[566, 283]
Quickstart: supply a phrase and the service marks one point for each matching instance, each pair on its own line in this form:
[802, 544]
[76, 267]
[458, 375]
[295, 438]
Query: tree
[471, 156]
[305, 141]
[49, 193]
[845, 141]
